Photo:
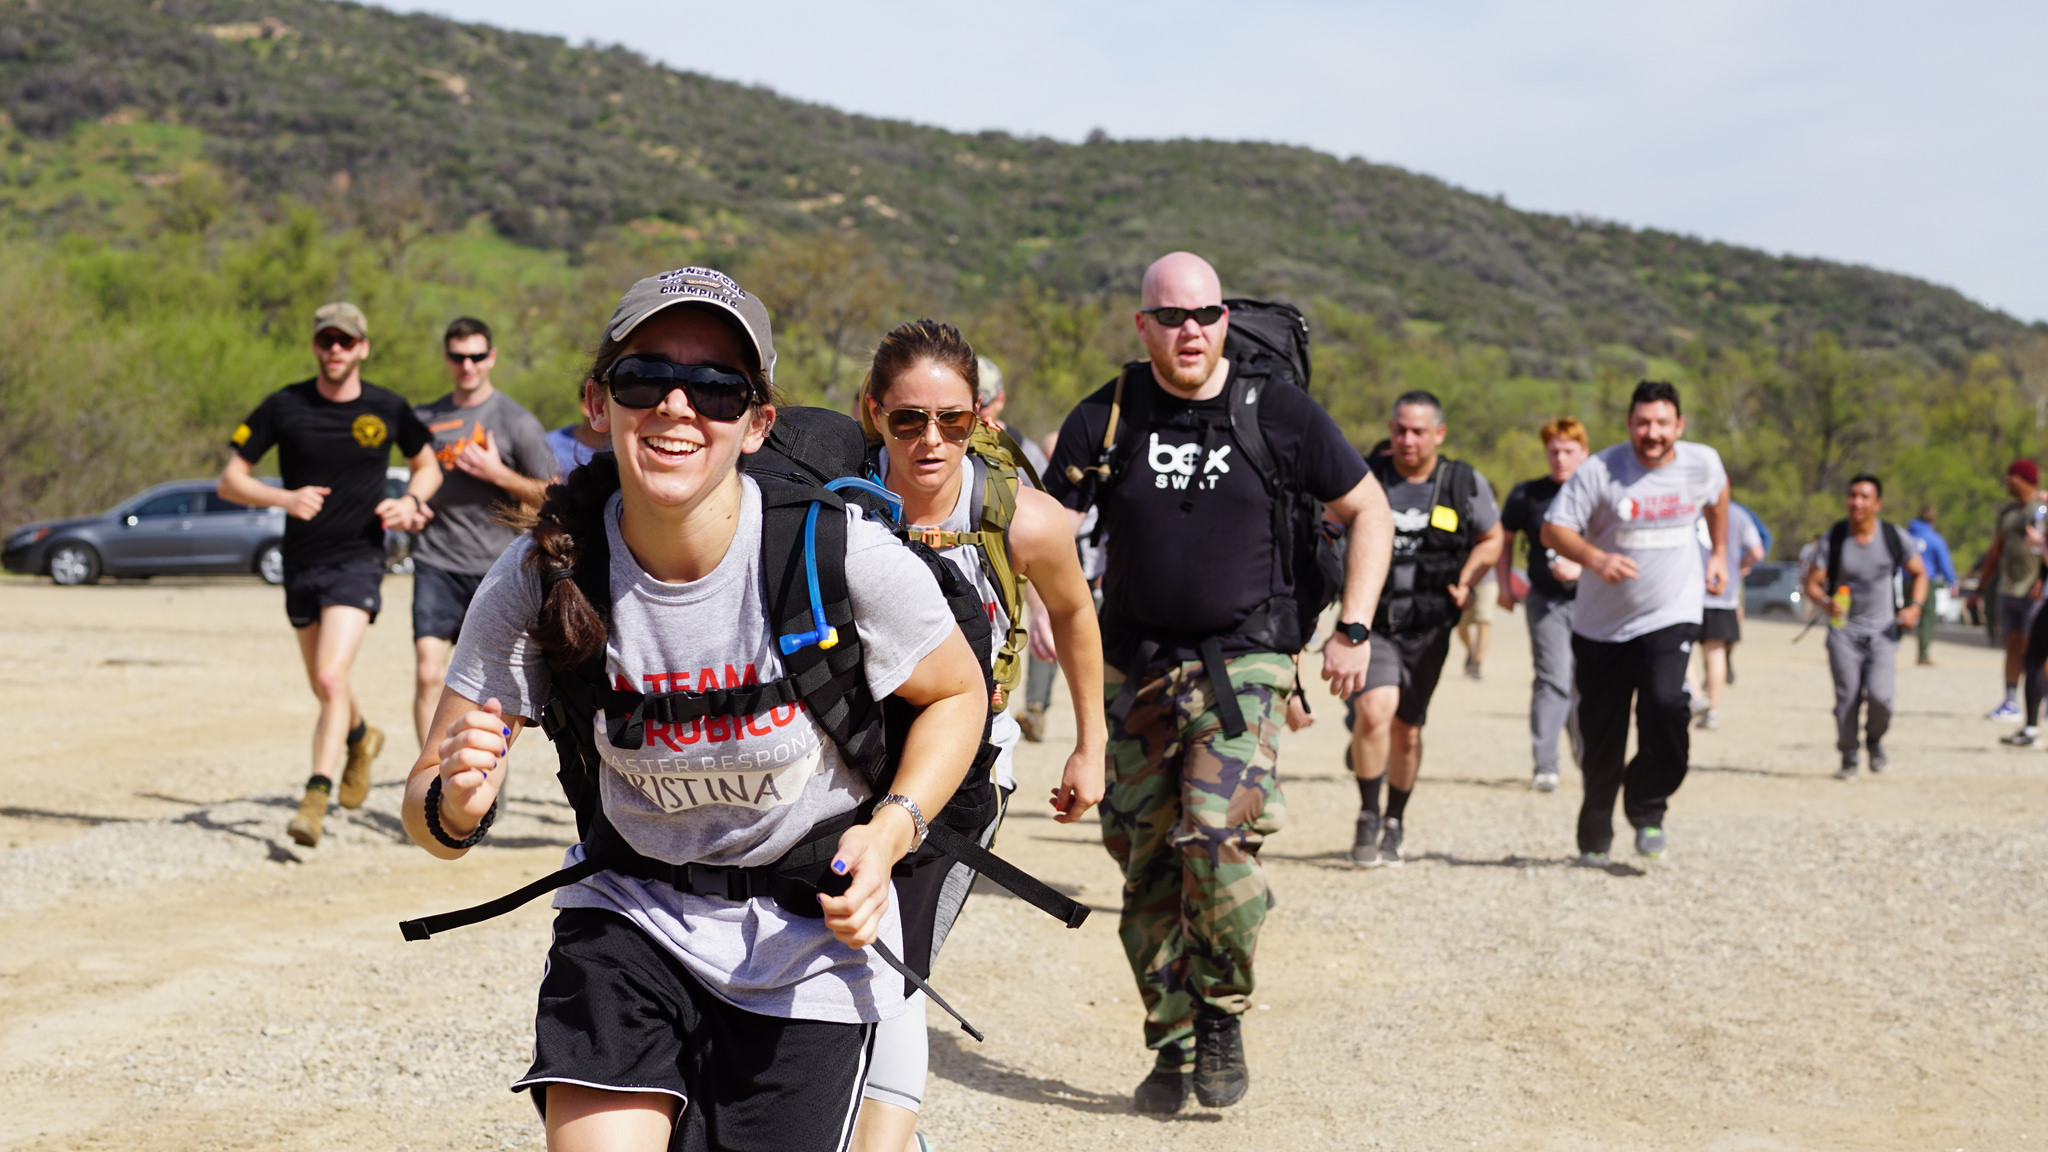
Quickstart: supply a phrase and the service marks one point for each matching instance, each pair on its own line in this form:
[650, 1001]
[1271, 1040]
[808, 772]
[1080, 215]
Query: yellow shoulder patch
[1443, 519]
[241, 436]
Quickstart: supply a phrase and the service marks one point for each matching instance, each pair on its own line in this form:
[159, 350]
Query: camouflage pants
[1184, 814]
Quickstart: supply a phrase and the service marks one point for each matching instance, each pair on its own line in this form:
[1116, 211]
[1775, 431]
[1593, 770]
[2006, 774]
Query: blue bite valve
[821, 633]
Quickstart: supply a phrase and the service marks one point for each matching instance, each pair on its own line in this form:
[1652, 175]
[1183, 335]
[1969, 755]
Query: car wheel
[270, 563]
[72, 564]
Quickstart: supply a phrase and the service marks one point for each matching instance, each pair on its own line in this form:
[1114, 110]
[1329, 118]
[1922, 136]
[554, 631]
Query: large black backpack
[808, 471]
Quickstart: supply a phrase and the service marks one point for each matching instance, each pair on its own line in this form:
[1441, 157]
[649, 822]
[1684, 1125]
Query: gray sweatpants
[1554, 699]
[1864, 669]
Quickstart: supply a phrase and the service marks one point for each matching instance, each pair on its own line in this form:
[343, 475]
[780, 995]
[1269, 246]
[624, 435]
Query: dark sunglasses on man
[1206, 315]
[334, 338]
[715, 393]
[955, 424]
[468, 357]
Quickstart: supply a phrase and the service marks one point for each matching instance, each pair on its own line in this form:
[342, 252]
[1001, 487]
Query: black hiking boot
[1165, 1091]
[1220, 1075]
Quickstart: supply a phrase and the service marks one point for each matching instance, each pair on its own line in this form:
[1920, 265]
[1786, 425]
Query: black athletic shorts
[1720, 624]
[354, 583]
[1414, 662]
[440, 599]
[619, 1012]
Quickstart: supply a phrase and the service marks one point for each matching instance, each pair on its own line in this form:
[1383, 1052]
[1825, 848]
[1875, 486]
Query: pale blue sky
[1908, 136]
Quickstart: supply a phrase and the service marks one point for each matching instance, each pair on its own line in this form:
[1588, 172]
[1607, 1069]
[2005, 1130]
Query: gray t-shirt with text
[1648, 515]
[739, 791]
[464, 535]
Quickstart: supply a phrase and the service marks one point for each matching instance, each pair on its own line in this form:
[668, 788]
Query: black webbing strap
[1218, 671]
[918, 982]
[1120, 707]
[426, 926]
[1020, 883]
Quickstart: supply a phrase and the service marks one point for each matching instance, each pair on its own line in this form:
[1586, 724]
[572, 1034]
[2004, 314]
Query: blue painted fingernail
[839, 866]
[508, 732]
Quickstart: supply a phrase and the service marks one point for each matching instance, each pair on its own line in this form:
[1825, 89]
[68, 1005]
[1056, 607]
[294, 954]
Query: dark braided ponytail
[572, 559]
[571, 553]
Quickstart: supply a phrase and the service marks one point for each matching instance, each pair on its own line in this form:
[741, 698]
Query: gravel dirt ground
[1816, 965]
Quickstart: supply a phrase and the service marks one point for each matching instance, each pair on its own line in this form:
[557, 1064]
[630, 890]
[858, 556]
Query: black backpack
[811, 457]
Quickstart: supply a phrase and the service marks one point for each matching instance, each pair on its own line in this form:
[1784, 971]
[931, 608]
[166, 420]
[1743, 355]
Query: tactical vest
[1417, 593]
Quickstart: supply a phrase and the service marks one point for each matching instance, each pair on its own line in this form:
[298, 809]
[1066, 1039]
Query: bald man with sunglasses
[1200, 632]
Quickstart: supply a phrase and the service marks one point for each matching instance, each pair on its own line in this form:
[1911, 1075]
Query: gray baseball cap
[991, 381]
[697, 286]
[342, 317]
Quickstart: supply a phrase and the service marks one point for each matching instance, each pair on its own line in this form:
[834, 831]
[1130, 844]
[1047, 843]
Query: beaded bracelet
[440, 833]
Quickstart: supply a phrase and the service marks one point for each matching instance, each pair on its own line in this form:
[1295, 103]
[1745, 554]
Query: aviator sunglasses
[1206, 315]
[715, 393]
[955, 424]
[329, 338]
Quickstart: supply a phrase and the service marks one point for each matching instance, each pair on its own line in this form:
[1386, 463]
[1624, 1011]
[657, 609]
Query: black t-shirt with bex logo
[1189, 527]
[342, 446]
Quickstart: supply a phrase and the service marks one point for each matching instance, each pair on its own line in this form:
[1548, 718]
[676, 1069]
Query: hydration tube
[822, 634]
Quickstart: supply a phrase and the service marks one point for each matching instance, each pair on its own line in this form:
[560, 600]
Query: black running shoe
[1365, 842]
[1220, 1075]
[1164, 1092]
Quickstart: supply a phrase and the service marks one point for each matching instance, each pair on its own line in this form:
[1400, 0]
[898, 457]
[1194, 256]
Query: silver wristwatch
[916, 816]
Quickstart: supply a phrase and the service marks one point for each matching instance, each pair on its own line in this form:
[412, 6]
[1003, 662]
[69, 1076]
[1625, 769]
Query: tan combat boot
[1032, 722]
[305, 827]
[355, 775]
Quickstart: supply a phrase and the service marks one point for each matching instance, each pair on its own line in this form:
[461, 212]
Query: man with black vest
[1203, 467]
[1857, 573]
[1446, 536]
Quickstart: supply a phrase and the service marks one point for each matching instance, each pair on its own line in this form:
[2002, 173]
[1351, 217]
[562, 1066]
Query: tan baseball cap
[342, 317]
[697, 286]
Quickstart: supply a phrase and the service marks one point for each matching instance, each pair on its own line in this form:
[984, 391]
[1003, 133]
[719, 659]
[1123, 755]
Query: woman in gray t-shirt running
[664, 1013]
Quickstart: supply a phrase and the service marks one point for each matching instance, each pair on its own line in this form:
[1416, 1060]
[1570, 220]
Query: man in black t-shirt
[334, 435]
[1196, 598]
[1553, 582]
[1446, 535]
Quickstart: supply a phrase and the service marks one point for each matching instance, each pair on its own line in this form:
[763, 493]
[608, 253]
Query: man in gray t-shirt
[1857, 572]
[1628, 516]
[494, 454]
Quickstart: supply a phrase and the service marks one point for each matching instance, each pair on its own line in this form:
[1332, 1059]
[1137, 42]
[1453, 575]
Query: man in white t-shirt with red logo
[1629, 516]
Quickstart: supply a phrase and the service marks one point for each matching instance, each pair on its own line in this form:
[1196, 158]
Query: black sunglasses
[955, 424]
[471, 357]
[1206, 315]
[330, 338]
[714, 392]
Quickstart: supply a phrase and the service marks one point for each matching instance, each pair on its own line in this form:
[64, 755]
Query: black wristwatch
[1356, 633]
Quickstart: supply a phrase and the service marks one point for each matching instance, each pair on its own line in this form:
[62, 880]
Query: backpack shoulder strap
[826, 675]
[1130, 417]
[1243, 406]
[1894, 544]
[1459, 486]
[1837, 536]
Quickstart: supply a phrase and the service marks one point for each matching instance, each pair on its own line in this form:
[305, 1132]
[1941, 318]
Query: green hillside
[190, 176]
